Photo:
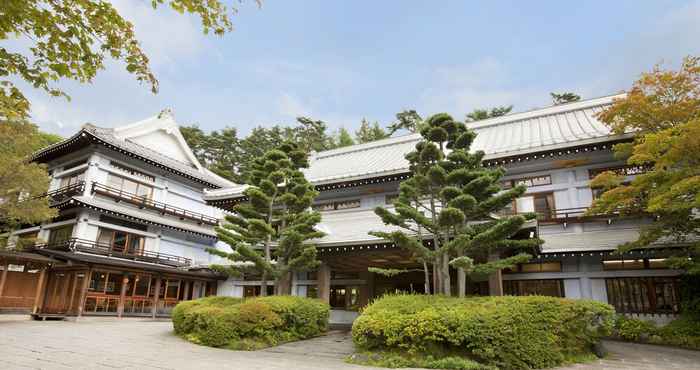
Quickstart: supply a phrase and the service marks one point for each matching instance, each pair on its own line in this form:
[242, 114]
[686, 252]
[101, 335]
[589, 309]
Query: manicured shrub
[681, 332]
[633, 329]
[249, 323]
[506, 332]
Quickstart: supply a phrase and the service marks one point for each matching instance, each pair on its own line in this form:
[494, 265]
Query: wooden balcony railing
[567, 215]
[61, 194]
[144, 202]
[88, 246]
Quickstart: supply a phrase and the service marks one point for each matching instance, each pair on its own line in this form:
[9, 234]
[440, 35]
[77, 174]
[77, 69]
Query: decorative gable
[162, 134]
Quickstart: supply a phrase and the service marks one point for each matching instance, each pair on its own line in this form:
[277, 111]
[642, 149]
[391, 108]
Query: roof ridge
[546, 111]
[366, 146]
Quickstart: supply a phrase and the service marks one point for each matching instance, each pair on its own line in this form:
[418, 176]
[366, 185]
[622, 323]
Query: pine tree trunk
[447, 288]
[263, 284]
[427, 277]
[437, 276]
[461, 282]
[284, 284]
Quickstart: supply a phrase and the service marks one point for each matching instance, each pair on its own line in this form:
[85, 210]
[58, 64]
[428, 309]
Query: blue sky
[341, 61]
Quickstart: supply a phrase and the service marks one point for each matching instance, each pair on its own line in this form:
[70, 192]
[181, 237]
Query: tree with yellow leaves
[663, 111]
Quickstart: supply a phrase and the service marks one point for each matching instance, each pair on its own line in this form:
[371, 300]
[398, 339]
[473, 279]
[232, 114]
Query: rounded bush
[249, 323]
[507, 332]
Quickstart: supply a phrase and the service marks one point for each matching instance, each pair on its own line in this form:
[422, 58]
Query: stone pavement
[100, 343]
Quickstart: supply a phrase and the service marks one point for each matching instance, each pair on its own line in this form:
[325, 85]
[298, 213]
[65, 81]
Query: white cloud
[165, 35]
[458, 89]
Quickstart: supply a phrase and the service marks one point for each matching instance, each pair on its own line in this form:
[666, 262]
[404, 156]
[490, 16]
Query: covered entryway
[22, 278]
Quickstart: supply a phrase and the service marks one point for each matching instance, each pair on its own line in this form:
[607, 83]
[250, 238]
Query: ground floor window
[254, 290]
[345, 297]
[644, 294]
[549, 287]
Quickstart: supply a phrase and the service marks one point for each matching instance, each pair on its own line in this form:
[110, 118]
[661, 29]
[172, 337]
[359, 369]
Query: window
[333, 206]
[552, 288]
[72, 179]
[133, 172]
[544, 204]
[60, 234]
[105, 283]
[120, 241]
[635, 264]
[554, 266]
[528, 181]
[390, 198]
[644, 294]
[129, 186]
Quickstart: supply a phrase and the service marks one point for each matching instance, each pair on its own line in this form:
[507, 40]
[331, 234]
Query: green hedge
[507, 332]
[249, 323]
[681, 332]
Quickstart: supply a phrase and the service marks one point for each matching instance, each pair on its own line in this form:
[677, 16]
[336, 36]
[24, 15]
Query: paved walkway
[95, 343]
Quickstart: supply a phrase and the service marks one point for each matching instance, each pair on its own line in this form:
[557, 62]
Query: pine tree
[343, 138]
[270, 234]
[451, 202]
[369, 132]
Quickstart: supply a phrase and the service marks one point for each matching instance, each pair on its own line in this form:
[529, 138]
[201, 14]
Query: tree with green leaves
[479, 114]
[343, 138]
[272, 233]
[70, 40]
[408, 120]
[563, 98]
[369, 132]
[662, 109]
[446, 211]
[22, 182]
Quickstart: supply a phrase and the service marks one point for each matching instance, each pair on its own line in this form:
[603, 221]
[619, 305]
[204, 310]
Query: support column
[122, 295]
[3, 277]
[495, 279]
[74, 287]
[38, 296]
[83, 292]
[324, 283]
[186, 296]
[156, 298]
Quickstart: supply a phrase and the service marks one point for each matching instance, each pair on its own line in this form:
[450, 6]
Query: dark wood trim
[83, 292]
[39, 295]
[3, 278]
[156, 297]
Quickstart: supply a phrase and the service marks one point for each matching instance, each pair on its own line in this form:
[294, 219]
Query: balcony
[566, 216]
[64, 193]
[144, 202]
[88, 246]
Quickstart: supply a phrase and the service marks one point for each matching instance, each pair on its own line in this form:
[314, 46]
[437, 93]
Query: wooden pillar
[122, 295]
[186, 295]
[3, 277]
[74, 287]
[495, 279]
[156, 298]
[83, 292]
[324, 283]
[39, 291]
[461, 282]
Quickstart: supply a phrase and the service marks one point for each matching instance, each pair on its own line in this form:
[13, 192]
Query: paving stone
[146, 344]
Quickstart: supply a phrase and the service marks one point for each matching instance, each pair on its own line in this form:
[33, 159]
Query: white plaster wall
[229, 288]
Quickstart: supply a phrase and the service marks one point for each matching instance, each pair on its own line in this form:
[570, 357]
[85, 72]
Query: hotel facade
[137, 212]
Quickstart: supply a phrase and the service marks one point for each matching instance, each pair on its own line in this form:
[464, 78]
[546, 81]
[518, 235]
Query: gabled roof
[539, 130]
[141, 141]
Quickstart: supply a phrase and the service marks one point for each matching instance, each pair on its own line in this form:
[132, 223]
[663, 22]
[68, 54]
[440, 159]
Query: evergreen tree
[451, 202]
[564, 98]
[344, 138]
[479, 114]
[370, 132]
[270, 234]
[408, 120]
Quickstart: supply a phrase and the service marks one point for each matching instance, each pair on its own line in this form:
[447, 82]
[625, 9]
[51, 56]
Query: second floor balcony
[118, 251]
[145, 202]
[65, 192]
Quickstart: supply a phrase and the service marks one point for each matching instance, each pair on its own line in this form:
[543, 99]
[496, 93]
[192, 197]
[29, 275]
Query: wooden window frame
[126, 243]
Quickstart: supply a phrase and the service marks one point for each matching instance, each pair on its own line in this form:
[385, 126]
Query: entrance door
[58, 292]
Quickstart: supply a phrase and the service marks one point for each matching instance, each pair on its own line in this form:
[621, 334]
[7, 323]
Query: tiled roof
[107, 136]
[351, 227]
[538, 130]
[589, 241]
